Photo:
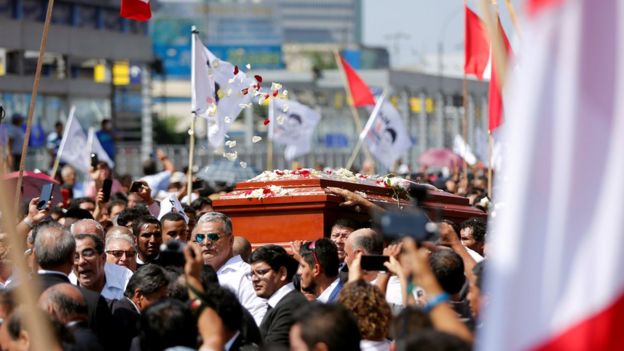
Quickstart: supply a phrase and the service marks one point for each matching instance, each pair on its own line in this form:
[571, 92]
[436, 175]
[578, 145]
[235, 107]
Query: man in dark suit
[272, 270]
[147, 285]
[54, 251]
[65, 303]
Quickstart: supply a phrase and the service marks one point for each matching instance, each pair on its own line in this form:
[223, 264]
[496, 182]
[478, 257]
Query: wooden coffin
[279, 211]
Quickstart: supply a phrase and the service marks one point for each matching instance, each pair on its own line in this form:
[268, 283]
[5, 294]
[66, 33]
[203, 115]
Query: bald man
[87, 226]
[66, 304]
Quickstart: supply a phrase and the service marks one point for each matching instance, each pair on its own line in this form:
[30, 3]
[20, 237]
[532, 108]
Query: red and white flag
[555, 278]
[138, 10]
[477, 45]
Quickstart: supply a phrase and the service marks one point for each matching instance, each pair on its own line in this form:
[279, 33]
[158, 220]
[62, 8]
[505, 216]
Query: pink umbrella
[441, 158]
[32, 183]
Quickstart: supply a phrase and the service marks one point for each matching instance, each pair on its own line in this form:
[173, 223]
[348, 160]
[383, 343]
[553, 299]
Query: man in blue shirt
[107, 138]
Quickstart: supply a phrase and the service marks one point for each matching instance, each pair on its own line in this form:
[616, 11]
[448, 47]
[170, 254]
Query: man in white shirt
[158, 181]
[213, 235]
[318, 269]
[93, 273]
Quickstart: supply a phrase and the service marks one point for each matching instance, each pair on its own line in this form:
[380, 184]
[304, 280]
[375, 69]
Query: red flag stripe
[495, 99]
[135, 10]
[535, 6]
[477, 45]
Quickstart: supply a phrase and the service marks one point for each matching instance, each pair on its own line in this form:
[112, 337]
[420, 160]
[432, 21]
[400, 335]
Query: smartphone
[45, 196]
[374, 262]
[135, 187]
[411, 222]
[94, 161]
[172, 253]
[67, 195]
[106, 189]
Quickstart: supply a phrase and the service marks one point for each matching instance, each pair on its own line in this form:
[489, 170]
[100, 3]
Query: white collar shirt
[325, 295]
[235, 275]
[280, 293]
[117, 278]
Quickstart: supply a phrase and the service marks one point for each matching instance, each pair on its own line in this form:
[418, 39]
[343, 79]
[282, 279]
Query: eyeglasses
[312, 247]
[86, 253]
[199, 238]
[258, 272]
[120, 253]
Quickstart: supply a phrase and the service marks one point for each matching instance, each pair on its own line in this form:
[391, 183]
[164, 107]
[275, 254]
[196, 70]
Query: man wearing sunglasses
[213, 235]
[272, 270]
[318, 269]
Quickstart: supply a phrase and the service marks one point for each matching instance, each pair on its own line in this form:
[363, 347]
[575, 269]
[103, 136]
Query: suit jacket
[277, 322]
[240, 344]
[84, 338]
[99, 313]
[126, 319]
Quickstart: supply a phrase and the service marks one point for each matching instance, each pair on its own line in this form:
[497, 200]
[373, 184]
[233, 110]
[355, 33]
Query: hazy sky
[420, 25]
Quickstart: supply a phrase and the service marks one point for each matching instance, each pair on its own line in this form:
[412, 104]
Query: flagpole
[490, 146]
[354, 153]
[369, 125]
[499, 53]
[33, 100]
[57, 160]
[189, 172]
[354, 112]
[269, 154]
[514, 17]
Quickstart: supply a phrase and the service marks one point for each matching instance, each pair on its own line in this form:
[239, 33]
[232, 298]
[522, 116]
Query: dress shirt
[279, 294]
[117, 278]
[326, 294]
[234, 274]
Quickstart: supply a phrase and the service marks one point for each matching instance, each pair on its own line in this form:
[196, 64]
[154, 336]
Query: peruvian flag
[478, 61]
[138, 10]
[360, 92]
[477, 45]
[555, 278]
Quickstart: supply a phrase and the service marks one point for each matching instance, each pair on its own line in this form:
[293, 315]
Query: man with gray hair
[65, 304]
[213, 235]
[54, 250]
[120, 249]
[87, 226]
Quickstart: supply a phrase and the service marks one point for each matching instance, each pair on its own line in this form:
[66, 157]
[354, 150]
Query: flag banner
[462, 149]
[219, 103]
[477, 45]
[138, 10]
[74, 147]
[495, 95]
[385, 134]
[292, 124]
[360, 92]
[554, 277]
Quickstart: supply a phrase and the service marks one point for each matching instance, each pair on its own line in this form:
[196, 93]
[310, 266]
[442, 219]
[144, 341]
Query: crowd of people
[133, 272]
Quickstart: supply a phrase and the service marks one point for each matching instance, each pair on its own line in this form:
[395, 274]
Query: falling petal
[216, 63]
[276, 86]
[235, 70]
[227, 119]
[231, 155]
[285, 108]
[244, 105]
[256, 139]
[285, 92]
[245, 91]
[275, 93]
[190, 132]
[248, 66]
[228, 92]
[281, 119]
[230, 143]
[258, 78]
[243, 164]
[266, 121]
[231, 80]
[220, 93]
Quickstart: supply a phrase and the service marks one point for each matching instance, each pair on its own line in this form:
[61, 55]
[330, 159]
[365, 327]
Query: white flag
[292, 124]
[235, 91]
[172, 204]
[462, 149]
[74, 148]
[202, 82]
[384, 133]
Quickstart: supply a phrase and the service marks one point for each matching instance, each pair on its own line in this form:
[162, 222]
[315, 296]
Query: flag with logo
[292, 124]
[76, 146]
[385, 134]
[556, 253]
[220, 104]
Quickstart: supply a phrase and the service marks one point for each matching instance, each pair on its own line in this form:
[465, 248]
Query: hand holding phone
[135, 187]
[106, 189]
[374, 263]
[94, 161]
[46, 196]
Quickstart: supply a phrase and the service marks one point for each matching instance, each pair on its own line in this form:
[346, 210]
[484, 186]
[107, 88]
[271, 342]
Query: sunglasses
[312, 247]
[199, 238]
[120, 253]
